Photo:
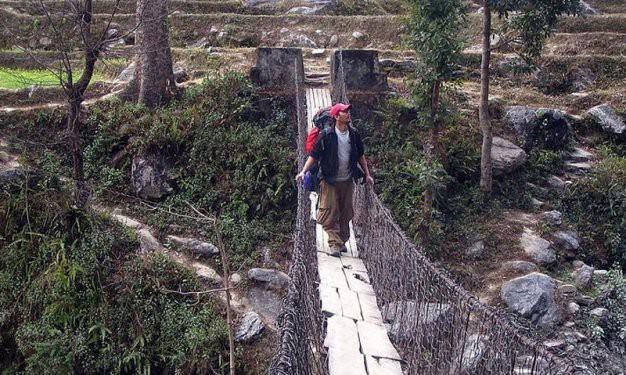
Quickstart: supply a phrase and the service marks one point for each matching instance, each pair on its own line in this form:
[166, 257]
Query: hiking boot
[344, 249]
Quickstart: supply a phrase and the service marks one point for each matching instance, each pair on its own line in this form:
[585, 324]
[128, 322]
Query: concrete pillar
[274, 70]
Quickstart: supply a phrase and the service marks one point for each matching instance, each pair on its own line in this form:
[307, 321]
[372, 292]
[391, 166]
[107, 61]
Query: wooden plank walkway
[356, 338]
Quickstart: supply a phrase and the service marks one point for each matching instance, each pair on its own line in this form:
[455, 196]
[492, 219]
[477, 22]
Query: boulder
[297, 40]
[149, 177]
[476, 250]
[600, 276]
[520, 266]
[180, 74]
[532, 296]
[506, 157]
[235, 279]
[358, 35]
[471, 353]
[537, 248]
[273, 279]
[147, 242]
[250, 327]
[556, 183]
[583, 276]
[573, 308]
[605, 116]
[407, 318]
[333, 41]
[553, 217]
[600, 313]
[195, 246]
[538, 128]
[567, 241]
[207, 274]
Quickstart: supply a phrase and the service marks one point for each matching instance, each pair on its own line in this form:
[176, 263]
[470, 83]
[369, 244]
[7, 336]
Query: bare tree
[70, 27]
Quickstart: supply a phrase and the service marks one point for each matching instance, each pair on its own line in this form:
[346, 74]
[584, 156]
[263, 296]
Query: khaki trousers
[335, 212]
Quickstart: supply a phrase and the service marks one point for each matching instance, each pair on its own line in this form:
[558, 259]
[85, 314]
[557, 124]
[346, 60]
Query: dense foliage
[77, 297]
[231, 154]
[598, 205]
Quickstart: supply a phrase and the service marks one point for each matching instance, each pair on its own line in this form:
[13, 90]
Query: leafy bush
[233, 154]
[598, 204]
[76, 297]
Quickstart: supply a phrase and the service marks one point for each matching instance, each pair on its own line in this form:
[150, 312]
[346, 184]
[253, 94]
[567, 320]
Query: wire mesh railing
[437, 326]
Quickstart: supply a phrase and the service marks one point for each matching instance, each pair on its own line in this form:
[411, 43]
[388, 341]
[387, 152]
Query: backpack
[321, 121]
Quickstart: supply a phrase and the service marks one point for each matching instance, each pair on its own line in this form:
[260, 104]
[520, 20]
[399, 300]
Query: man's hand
[300, 177]
[369, 180]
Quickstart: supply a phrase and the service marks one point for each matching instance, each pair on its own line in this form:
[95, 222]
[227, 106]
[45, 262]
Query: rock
[538, 128]
[200, 43]
[250, 327]
[112, 33]
[600, 312]
[195, 246]
[566, 240]
[532, 296]
[578, 263]
[556, 183]
[476, 250]
[506, 157]
[554, 344]
[520, 266]
[473, 350]
[147, 242]
[580, 155]
[581, 78]
[207, 274]
[274, 279]
[584, 300]
[149, 177]
[333, 41]
[583, 276]
[303, 10]
[180, 74]
[318, 52]
[567, 290]
[588, 9]
[537, 248]
[266, 302]
[536, 203]
[235, 279]
[573, 308]
[553, 218]
[358, 35]
[127, 74]
[406, 317]
[297, 40]
[609, 120]
[126, 221]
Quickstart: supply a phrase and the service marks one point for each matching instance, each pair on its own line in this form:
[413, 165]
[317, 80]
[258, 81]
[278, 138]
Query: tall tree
[526, 24]
[154, 81]
[434, 34]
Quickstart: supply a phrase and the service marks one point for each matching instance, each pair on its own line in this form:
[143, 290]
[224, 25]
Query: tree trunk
[73, 125]
[483, 110]
[154, 75]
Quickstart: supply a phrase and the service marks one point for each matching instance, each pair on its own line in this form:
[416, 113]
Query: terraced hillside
[210, 36]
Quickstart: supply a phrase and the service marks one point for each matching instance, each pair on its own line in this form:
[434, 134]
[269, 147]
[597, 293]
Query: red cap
[339, 107]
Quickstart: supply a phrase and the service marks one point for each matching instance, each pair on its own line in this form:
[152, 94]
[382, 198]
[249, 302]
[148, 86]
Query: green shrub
[598, 205]
[76, 297]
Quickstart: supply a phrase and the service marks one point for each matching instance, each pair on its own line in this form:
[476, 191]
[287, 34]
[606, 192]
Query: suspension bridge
[382, 308]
